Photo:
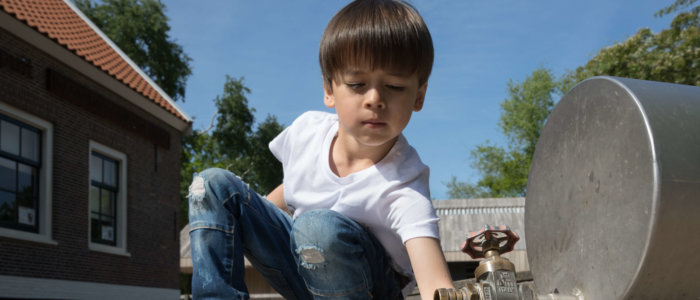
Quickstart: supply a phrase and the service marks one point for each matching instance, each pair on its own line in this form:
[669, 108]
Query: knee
[319, 233]
[212, 187]
[320, 226]
[210, 178]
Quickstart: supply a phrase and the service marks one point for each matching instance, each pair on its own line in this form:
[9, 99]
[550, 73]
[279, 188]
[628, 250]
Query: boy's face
[374, 106]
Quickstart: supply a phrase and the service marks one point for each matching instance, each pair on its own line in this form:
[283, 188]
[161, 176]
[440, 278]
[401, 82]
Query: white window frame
[120, 248]
[45, 179]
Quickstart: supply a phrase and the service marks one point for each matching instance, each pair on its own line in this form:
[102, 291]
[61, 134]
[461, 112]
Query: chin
[376, 142]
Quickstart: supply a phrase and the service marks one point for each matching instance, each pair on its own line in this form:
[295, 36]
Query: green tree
[140, 28]
[233, 144]
[266, 169]
[504, 171]
[679, 5]
[234, 120]
[672, 55]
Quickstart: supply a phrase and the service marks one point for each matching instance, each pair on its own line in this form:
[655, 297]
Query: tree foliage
[679, 5]
[267, 171]
[140, 29]
[672, 55]
[233, 144]
[504, 171]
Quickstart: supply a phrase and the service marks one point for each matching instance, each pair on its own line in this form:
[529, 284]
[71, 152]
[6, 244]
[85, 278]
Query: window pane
[26, 180]
[26, 215]
[95, 168]
[30, 145]
[107, 232]
[9, 137]
[94, 228]
[25, 200]
[8, 174]
[94, 199]
[107, 203]
[7, 207]
[110, 170]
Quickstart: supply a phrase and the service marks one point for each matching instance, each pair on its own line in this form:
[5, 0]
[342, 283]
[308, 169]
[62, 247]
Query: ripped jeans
[320, 255]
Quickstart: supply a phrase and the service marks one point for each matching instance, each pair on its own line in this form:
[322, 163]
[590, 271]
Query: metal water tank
[613, 196]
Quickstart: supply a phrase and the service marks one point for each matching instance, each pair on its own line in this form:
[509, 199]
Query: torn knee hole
[197, 188]
[311, 256]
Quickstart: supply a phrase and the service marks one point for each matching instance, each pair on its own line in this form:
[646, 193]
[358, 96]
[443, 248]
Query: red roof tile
[61, 23]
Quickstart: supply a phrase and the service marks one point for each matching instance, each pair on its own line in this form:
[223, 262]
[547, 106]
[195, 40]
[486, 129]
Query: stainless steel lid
[613, 195]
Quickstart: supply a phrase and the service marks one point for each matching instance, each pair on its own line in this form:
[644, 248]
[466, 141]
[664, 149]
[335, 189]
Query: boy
[362, 224]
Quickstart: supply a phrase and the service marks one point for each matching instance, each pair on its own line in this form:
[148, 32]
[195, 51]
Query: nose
[374, 99]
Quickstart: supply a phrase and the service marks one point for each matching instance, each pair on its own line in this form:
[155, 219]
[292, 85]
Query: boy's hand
[429, 265]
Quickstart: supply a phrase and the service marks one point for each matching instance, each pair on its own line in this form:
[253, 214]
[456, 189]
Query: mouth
[374, 123]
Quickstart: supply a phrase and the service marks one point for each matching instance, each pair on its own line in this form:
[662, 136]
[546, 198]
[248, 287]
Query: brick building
[89, 163]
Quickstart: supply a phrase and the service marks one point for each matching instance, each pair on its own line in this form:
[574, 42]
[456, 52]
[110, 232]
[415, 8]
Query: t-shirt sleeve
[419, 220]
[279, 144]
[412, 214]
[297, 134]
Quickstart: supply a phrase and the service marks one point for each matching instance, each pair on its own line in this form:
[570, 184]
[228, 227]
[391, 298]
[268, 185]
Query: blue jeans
[320, 255]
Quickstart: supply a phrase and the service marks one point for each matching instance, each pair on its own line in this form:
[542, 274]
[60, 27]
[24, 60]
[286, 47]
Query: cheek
[345, 110]
[406, 115]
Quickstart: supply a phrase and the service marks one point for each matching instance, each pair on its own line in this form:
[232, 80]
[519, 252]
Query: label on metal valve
[505, 282]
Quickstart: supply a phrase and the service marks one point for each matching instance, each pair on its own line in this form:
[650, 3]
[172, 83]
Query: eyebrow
[360, 72]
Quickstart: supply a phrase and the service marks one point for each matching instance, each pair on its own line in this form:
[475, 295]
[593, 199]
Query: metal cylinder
[613, 195]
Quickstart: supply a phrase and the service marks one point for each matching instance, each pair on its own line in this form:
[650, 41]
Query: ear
[328, 98]
[420, 97]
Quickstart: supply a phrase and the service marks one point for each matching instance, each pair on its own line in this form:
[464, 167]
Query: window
[25, 176]
[107, 199]
[104, 183]
[20, 147]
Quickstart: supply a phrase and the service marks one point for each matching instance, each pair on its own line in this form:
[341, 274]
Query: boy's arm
[429, 266]
[277, 198]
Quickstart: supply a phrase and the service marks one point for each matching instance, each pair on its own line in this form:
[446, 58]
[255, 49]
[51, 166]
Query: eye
[355, 85]
[395, 87]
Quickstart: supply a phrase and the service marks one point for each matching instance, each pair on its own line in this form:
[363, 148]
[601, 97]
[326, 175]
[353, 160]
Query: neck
[347, 156]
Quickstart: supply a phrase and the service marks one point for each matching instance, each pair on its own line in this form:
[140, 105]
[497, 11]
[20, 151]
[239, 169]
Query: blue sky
[479, 46]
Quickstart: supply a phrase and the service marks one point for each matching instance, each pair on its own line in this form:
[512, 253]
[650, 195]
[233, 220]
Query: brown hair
[386, 34]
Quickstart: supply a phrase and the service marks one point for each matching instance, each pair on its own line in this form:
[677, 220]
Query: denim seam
[252, 208]
[223, 202]
[232, 254]
[212, 227]
[267, 269]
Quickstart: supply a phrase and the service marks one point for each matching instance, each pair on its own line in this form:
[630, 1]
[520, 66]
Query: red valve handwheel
[505, 238]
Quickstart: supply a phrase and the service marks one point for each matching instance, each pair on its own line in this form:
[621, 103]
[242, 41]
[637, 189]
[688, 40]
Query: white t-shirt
[391, 198]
